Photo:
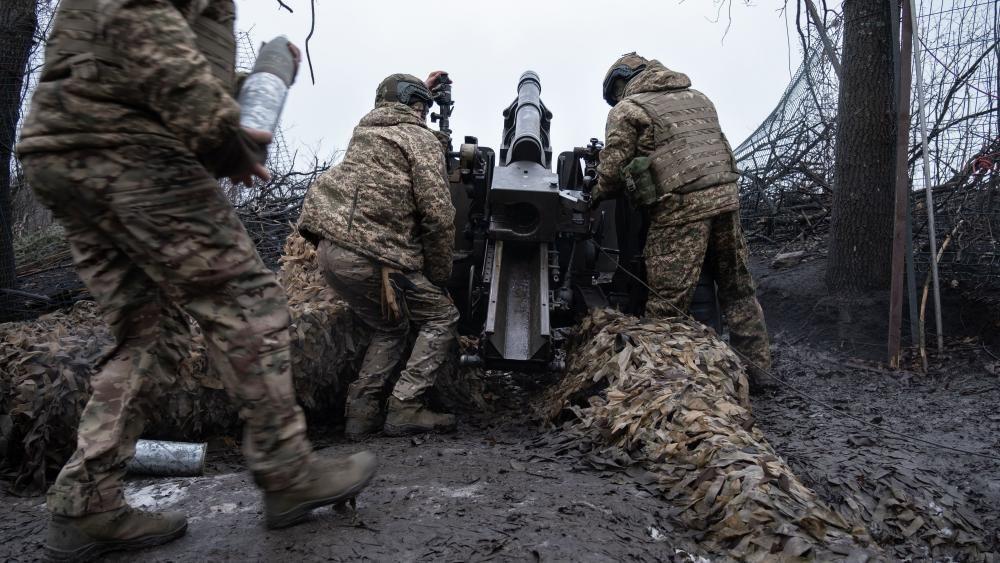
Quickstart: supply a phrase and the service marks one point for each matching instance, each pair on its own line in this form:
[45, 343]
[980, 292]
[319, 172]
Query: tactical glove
[238, 157]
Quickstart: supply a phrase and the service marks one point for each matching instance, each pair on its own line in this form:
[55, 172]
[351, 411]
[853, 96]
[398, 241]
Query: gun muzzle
[527, 143]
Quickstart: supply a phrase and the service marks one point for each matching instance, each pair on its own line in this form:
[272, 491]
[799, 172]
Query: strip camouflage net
[671, 397]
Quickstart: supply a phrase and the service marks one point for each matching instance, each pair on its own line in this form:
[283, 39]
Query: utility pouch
[640, 186]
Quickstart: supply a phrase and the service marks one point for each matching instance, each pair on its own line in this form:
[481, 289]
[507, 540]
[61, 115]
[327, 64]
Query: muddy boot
[412, 417]
[330, 481]
[87, 537]
[364, 418]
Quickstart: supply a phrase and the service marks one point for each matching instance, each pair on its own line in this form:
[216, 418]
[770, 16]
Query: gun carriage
[531, 256]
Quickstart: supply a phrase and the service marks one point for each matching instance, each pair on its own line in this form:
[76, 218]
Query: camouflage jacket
[629, 134]
[123, 72]
[389, 198]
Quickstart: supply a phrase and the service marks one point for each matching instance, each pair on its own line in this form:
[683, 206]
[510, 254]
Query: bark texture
[861, 227]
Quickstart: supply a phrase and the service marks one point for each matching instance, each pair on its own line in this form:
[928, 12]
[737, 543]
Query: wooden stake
[904, 74]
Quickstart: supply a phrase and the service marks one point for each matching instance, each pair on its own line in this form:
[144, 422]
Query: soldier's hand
[259, 136]
[444, 139]
[433, 79]
[256, 169]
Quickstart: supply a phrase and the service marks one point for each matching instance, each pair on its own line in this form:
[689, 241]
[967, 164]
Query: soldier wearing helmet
[665, 151]
[133, 119]
[383, 223]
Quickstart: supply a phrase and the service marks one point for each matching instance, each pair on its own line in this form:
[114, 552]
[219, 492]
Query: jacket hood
[387, 114]
[657, 78]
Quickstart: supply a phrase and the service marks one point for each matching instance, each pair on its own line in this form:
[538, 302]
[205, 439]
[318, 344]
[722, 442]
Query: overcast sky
[486, 47]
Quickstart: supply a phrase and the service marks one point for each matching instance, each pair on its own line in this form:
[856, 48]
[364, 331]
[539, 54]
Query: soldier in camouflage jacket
[132, 122]
[383, 223]
[694, 221]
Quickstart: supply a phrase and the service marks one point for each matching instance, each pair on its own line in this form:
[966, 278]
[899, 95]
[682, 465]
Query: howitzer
[531, 256]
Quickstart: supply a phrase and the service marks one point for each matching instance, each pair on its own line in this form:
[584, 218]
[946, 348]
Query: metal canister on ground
[263, 93]
[173, 459]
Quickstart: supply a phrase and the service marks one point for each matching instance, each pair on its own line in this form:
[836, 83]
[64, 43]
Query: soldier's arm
[163, 60]
[626, 121]
[435, 212]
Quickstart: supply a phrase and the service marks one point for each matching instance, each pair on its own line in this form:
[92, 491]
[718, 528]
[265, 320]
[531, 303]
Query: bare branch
[312, 29]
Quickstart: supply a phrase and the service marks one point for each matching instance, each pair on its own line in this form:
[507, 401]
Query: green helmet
[403, 88]
[619, 75]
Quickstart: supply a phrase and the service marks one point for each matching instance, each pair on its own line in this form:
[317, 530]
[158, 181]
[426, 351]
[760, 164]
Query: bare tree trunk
[18, 23]
[861, 225]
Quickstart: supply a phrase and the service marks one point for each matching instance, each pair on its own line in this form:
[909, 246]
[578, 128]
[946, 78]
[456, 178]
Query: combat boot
[413, 417]
[87, 537]
[760, 381]
[330, 481]
[364, 418]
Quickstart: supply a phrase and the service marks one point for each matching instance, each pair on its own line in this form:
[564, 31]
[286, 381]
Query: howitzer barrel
[527, 142]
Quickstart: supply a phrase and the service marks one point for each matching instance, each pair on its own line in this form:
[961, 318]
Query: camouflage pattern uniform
[697, 222]
[387, 204]
[129, 127]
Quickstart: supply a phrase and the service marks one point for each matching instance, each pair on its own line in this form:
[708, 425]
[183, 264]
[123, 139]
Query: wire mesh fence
[787, 163]
[960, 53]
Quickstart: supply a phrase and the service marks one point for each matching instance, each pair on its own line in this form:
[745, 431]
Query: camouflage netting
[314, 304]
[326, 343]
[49, 360]
[669, 396]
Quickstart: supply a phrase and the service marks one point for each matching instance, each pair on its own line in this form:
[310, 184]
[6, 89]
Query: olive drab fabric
[357, 280]
[694, 220]
[388, 199]
[148, 72]
[640, 186]
[122, 142]
[661, 117]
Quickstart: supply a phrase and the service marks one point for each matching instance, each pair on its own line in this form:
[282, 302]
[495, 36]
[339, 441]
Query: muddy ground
[493, 491]
[487, 492]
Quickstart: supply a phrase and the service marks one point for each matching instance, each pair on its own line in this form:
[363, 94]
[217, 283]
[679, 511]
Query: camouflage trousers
[358, 281]
[150, 228]
[674, 259]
